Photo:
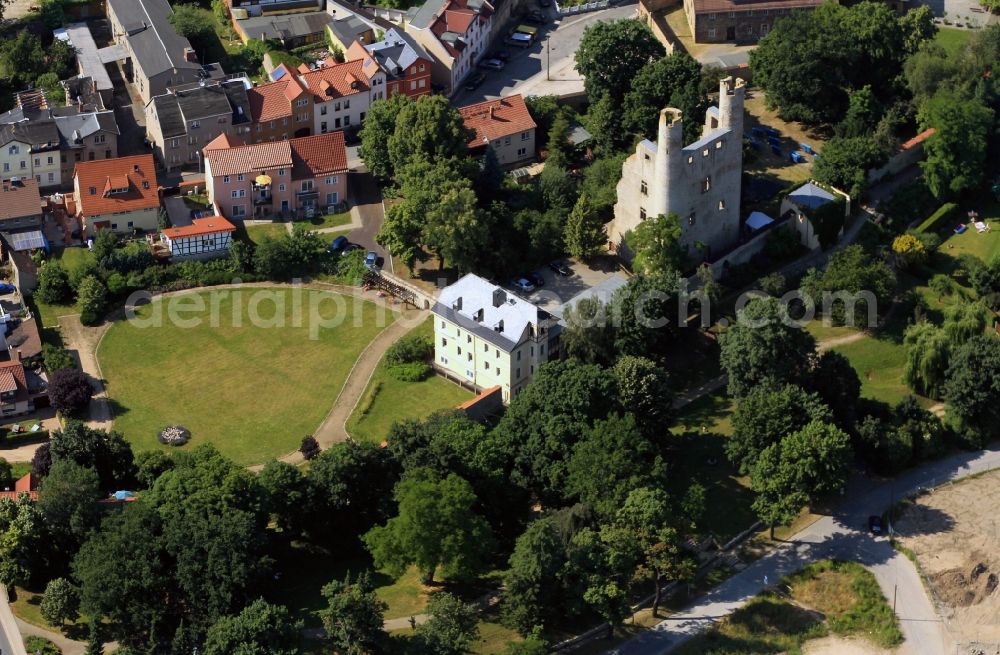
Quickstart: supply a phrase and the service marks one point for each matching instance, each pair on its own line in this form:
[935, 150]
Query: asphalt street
[841, 536]
[526, 70]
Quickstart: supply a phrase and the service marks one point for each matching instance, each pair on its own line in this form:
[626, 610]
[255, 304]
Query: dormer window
[145, 184]
[13, 150]
[93, 191]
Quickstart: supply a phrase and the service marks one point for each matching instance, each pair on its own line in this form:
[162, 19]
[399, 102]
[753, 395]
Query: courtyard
[252, 391]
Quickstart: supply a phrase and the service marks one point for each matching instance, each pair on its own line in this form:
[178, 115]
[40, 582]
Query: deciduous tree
[972, 388]
[656, 243]
[69, 391]
[611, 53]
[956, 152]
[259, 629]
[60, 602]
[353, 617]
[584, 234]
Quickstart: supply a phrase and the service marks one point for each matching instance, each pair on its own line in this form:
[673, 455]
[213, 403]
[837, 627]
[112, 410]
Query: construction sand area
[954, 532]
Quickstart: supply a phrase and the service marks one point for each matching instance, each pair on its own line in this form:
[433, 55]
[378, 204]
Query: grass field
[262, 231]
[252, 391]
[27, 607]
[698, 455]
[840, 598]
[71, 259]
[951, 39]
[323, 221]
[387, 400]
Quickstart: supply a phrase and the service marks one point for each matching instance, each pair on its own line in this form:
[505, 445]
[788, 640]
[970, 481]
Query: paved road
[842, 536]
[10, 638]
[526, 70]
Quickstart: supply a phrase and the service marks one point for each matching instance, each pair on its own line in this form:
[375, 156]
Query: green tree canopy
[106, 452]
[673, 81]
[376, 131]
[611, 53]
[972, 388]
[656, 243]
[353, 617]
[436, 527]
[259, 629]
[956, 152]
[645, 392]
[768, 414]
[764, 346]
[60, 602]
[853, 288]
[452, 627]
[584, 234]
[427, 130]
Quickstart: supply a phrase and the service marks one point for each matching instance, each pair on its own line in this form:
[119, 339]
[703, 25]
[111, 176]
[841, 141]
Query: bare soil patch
[834, 645]
[954, 534]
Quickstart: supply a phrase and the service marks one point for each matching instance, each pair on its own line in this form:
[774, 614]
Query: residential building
[20, 207]
[717, 21]
[801, 205]
[157, 57]
[456, 34]
[341, 94]
[700, 182]
[90, 63]
[83, 138]
[280, 178]
[487, 336]
[282, 109]
[205, 238]
[266, 7]
[15, 396]
[117, 194]
[182, 122]
[342, 32]
[504, 125]
[405, 63]
[291, 30]
[29, 150]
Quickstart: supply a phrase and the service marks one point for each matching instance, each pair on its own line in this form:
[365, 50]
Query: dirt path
[83, 341]
[833, 342]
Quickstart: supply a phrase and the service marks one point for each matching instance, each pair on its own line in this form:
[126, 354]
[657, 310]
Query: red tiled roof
[250, 158]
[223, 142]
[272, 101]
[702, 6]
[336, 81]
[319, 155]
[20, 199]
[15, 369]
[199, 226]
[307, 157]
[495, 119]
[138, 170]
[26, 482]
[7, 381]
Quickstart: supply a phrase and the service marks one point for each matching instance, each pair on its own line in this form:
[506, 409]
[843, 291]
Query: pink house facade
[276, 179]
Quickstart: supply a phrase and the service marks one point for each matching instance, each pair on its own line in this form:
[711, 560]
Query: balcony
[261, 191]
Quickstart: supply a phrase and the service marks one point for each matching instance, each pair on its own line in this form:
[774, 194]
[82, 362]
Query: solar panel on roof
[28, 241]
[277, 74]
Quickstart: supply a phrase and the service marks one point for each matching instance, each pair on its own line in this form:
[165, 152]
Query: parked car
[371, 261]
[875, 524]
[535, 16]
[520, 39]
[7, 288]
[502, 55]
[535, 279]
[474, 81]
[492, 64]
[560, 268]
[337, 244]
[351, 247]
[522, 284]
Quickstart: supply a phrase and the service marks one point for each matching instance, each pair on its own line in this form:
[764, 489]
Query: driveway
[367, 199]
[842, 536]
[558, 289]
[528, 69]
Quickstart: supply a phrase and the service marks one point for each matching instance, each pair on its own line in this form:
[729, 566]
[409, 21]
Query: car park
[522, 284]
[492, 64]
[560, 268]
[535, 279]
[474, 81]
[337, 244]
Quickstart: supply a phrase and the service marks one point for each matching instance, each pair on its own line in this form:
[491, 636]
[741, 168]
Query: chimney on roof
[135, 168]
[190, 55]
[492, 110]
[457, 305]
[499, 297]
[499, 326]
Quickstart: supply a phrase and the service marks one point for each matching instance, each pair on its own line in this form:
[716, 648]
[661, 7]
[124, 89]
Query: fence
[583, 9]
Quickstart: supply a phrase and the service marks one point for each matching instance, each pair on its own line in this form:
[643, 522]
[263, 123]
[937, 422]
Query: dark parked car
[535, 279]
[535, 16]
[522, 284]
[337, 244]
[7, 288]
[875, 524]
[474, 81]
[492, 64]
[502, 55]
[544, 3]
[351, 247]
[560, 268]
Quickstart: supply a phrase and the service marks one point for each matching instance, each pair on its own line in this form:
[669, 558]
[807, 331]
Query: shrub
[41, 646]
[56, 358]
[309, 447]
[408, 350]
[410, 371]
[174, 435]
[61, 602]
[945, 212]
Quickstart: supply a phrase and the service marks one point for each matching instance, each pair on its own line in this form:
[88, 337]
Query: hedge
[946, 211]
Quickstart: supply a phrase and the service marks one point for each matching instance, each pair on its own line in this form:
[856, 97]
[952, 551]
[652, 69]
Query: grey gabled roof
[203, 102]
[291, 26]
[40, 135]
[348, 29]
[424, 15]
[154, 42]
[398, 50]
[80, 126]
[811, 196]
[167, 113]
[174, 111]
